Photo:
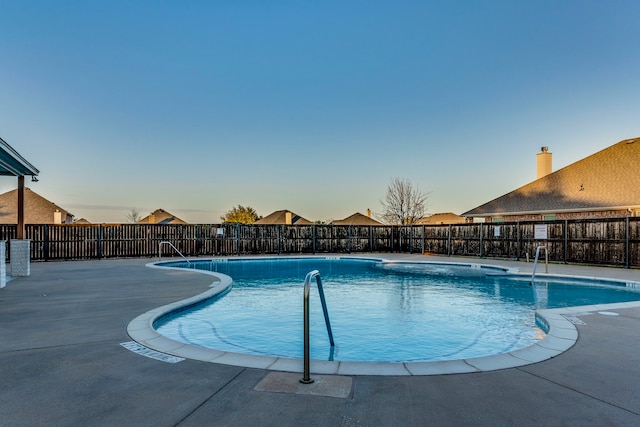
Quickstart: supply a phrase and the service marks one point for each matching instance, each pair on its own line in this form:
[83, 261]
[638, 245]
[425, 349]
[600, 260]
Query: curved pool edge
[561, 336]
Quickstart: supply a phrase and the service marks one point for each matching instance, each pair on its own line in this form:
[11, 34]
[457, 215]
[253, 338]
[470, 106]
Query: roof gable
[442, 218]
[37, 209]
[608, 179]
[357, 219]
[280, 217]
[160, 216]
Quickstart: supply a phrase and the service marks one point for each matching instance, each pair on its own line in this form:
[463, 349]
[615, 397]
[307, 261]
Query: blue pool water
[391, 312]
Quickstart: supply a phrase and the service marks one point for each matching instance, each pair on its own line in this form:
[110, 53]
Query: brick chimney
[288, 217]
[543, 163]
[57, 217]
[369, 213]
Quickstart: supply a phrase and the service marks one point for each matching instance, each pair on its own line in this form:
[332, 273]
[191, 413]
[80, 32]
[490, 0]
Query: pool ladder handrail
[535, 263]
[306, 379]
[174, 248]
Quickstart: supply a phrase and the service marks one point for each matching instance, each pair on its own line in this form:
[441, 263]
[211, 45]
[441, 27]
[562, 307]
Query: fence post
[566, 240]
[480, 240]
[313, 238]
[449, 241]
[392, 228]
[99, 241]
[278, 237]
[626, 243]
[238, 240]
[517, 240]
[411, 239]
[45, 245]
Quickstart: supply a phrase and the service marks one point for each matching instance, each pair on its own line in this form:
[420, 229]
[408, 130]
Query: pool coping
[561, 336]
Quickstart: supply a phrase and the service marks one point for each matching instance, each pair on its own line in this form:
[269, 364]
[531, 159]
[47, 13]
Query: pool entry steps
[172, 247]
[306, 378]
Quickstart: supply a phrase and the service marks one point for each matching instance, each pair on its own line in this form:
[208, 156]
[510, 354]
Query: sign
[496, 231]
[540, 232]
[220, 231]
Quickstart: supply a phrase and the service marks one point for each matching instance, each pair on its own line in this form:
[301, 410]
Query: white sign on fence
[540, 232]
[220, 231]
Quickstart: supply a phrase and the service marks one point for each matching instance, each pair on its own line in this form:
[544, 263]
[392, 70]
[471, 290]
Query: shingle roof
[280, 217]
[442, 218]
[606, 180]
[160, 216]
[357, 219]
[37, 209]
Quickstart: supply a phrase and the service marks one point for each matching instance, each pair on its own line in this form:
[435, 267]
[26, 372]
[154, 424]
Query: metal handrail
[306, 379]
[174, 248]
[535, 263]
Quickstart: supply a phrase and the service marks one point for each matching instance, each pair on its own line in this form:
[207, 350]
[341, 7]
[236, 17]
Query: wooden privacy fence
[598, 241]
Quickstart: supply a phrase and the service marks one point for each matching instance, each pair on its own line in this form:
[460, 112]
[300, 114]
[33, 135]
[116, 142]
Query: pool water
[380, 312]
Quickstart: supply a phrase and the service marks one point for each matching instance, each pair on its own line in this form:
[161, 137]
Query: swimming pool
[380, 311]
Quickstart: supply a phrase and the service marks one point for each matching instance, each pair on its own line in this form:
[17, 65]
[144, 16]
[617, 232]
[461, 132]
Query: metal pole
[306, 378]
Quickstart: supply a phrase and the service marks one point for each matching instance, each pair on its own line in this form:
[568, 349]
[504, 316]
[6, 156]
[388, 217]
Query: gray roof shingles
[608, 179]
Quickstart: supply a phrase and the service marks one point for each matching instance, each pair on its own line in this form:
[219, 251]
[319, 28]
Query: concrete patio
[62, 362]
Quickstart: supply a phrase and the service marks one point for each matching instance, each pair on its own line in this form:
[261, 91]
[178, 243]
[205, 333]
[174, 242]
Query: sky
[199, 106]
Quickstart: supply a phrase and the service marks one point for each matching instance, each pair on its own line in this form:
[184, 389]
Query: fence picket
[611, 241]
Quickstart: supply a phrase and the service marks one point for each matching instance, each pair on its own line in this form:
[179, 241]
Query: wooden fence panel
[436, 239]
[465, 240]
[499, 240]
[382, 238]
[595, 241]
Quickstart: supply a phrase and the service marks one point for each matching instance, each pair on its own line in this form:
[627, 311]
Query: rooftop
[605, 180]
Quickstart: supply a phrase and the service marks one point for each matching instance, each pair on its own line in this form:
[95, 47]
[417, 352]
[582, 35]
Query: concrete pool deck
[62, 363]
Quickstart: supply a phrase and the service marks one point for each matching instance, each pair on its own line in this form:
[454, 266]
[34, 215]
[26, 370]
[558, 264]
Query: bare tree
[404, 203]
[133, 216]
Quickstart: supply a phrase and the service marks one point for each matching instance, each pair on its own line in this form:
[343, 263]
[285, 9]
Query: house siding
[567, 215]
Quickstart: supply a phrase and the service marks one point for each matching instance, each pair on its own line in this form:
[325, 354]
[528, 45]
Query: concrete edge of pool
[562, 336]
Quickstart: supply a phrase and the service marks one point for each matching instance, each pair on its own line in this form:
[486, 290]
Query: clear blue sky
[197, 106]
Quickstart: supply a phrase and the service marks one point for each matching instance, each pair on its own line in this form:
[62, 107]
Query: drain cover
[147, 352]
